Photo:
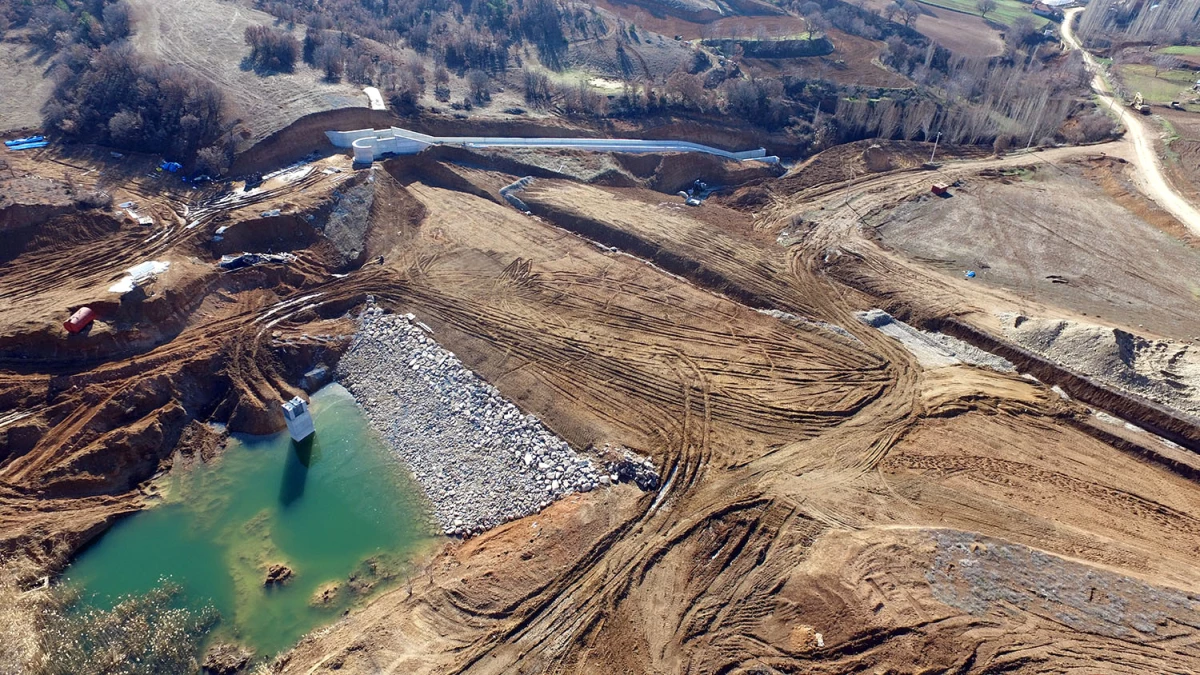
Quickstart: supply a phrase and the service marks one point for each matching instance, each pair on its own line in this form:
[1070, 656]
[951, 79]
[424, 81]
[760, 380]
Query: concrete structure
[371, 144]
[299, 421]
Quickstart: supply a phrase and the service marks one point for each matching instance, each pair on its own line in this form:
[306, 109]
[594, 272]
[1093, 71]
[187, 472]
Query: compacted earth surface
[782, 431]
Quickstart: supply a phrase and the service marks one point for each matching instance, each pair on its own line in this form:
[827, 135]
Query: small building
[82, 318]
[299, 421]
[940, 189]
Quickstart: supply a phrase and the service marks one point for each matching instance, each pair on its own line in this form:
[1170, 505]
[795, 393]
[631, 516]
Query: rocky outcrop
[277, 575]
[226, 659]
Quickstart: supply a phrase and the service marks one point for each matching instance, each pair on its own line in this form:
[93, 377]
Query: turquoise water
[337, 509]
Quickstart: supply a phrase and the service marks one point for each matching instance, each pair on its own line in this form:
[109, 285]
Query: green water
[339, 510]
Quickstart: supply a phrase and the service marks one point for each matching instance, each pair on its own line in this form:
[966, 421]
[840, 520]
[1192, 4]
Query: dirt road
[1151, 178]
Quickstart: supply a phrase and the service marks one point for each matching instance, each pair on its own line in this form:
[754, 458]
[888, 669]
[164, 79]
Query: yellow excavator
[1139, 104]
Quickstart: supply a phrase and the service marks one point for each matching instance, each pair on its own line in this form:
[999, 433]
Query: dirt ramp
[679, 171]
[46, 229]
[285, 232]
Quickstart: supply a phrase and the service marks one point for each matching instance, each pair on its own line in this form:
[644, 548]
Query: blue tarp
[23, 141]
[29, 146]
[170, 166]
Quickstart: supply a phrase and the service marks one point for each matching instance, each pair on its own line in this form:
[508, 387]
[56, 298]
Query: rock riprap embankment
[480, 460]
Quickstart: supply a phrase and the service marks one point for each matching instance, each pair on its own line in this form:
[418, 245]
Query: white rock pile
[480, 461]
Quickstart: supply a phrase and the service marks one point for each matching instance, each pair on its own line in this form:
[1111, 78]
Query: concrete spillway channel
[371, 144]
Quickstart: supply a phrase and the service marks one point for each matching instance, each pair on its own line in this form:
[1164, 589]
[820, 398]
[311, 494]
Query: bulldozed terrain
[827, 502]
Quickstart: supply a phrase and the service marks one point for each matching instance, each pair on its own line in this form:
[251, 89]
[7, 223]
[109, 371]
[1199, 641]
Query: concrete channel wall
[371, 144]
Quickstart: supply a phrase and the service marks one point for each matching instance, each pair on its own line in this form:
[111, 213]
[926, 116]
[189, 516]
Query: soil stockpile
[1163, 371]
[480, 460]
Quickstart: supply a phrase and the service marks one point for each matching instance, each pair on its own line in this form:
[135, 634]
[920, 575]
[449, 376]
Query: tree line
[1161, 22]
[114, 96]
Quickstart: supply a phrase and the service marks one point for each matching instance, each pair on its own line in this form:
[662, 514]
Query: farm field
[961, 33]
[1005, 13]
[1170, 85]
[24, 72]
[1181, 50]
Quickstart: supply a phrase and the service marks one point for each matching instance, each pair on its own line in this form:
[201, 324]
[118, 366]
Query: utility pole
[935, 142]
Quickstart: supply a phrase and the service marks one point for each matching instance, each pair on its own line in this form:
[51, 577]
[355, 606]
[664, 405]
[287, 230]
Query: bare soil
[24, 71]
[1182, 163]
[827, 503]
[205, 36]
[963, 34]
[1010, 228]
[854, 61]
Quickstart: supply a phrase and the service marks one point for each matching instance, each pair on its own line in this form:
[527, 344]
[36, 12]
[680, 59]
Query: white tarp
[376, 98]
[137, 274]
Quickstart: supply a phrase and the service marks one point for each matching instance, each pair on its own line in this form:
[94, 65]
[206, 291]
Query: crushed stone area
[978, 575]
[933, 350]
[1163, 371]
[480, 460]
[805, 322]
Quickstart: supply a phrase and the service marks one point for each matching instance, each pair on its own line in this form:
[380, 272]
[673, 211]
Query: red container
[79, 320]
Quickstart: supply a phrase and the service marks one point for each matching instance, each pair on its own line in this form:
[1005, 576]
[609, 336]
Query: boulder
[277, 575]
[226, 659]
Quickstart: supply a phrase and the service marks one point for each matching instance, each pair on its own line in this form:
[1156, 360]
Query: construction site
[630, 404]
[825, 491]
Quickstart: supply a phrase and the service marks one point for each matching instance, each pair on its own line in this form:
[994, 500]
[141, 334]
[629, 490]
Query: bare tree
[985, 6]
[441, 84]
[479, 84]
[1165, 62]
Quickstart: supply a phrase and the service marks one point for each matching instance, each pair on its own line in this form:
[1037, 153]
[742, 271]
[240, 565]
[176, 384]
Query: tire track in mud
[554, 621]
[731, 522]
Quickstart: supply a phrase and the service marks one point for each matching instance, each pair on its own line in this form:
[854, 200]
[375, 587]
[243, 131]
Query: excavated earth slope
[826, 503]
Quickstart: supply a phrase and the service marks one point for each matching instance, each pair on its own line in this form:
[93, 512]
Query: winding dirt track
[818, 491]
[1150, 171]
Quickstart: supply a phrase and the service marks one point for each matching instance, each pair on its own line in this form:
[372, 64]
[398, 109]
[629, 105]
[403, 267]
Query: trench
[337, 509]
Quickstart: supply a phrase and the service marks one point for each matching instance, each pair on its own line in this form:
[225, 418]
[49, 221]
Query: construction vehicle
[1139, 104]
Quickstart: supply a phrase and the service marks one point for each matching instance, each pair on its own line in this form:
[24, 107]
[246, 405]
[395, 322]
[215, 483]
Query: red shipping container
[80, 319]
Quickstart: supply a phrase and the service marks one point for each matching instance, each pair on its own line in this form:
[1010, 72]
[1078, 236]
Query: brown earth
[964, 34]
[827, 504]
[1006, 227]
[25, 72]
[206, 37]
[854, 61]
[1182, 154]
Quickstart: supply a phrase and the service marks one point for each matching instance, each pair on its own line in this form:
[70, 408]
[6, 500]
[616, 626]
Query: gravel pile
[932, 349]
[480, 461]
[979, 575]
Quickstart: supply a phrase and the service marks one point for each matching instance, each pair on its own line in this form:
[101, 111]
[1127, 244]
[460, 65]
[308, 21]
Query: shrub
[113, 96]
[272, 50]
